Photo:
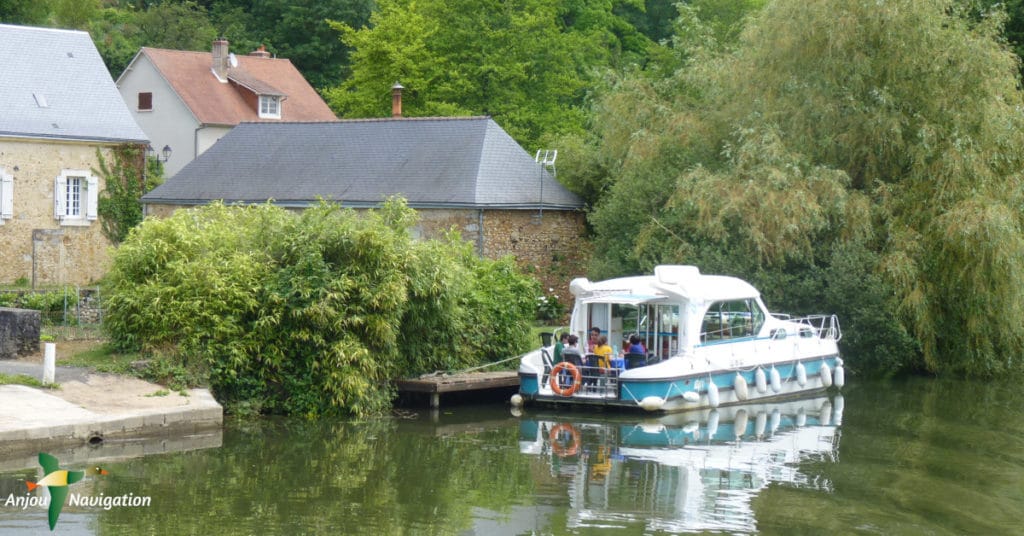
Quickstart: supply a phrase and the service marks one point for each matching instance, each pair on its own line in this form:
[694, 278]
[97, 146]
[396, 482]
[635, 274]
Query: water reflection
[684, 472]
[917, 456]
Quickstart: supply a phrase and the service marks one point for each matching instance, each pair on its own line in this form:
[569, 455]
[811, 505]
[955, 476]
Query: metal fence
[59, 306]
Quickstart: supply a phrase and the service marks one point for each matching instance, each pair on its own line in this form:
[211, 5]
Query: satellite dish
[232, 60]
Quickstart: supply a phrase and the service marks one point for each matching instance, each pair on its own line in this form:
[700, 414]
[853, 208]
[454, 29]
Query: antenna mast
[546, 159]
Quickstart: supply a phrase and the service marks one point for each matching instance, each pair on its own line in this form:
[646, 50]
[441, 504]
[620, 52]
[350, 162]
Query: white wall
[169, 123]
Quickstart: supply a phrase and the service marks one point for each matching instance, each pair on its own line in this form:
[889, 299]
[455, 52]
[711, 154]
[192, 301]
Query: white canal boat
[708, 341]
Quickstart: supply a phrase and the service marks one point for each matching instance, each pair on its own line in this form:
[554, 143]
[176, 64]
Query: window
[75, 197]
[733, 319]
[6, 196]
[145, 102]
[270, 106]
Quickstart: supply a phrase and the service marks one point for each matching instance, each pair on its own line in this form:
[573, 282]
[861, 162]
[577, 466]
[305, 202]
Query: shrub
[312, 313]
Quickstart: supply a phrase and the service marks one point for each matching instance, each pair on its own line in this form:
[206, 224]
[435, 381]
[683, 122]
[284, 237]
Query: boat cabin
[676, 309]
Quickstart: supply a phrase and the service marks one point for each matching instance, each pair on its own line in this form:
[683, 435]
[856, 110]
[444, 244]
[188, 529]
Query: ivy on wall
[127, 178]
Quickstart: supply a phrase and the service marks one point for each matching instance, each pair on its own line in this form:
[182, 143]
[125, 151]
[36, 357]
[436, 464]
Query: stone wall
[19, 332]
[35, 245]
[548, 245]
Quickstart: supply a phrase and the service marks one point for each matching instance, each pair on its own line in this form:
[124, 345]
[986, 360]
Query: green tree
[887, 135]
[527, 63]
[27, 12]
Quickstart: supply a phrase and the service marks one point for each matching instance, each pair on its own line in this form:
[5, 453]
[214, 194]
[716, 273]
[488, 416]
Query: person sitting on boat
[635, 346]
[595, 335]
[603, 353]
[571, 353]
[559, 348]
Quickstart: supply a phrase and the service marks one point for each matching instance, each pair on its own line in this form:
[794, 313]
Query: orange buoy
[556, 384]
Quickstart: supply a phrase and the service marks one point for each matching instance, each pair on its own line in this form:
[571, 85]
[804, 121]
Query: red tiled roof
[214, 102]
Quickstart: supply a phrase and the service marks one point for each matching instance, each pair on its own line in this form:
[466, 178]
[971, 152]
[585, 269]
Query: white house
[188, 100]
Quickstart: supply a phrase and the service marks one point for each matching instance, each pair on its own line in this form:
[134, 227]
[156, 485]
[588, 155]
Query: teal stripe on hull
[636, 391]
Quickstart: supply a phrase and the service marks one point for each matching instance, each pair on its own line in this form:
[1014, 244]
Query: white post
[49, 362]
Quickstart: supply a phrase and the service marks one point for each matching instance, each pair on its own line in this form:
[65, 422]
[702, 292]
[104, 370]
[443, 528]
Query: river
[913, 456]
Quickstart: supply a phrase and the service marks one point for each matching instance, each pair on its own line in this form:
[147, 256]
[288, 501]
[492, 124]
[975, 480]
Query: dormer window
[270, 107]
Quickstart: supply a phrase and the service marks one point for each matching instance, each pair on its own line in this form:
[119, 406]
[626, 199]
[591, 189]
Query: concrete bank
[91, 410]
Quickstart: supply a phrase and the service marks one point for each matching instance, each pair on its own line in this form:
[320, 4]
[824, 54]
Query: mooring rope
[471, 369]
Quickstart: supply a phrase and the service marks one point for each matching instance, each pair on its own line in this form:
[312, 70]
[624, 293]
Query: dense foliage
[527, 63]
[873, 161]
[312, 313]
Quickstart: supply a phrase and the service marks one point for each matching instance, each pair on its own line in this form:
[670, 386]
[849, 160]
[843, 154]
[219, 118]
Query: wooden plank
[460, 382]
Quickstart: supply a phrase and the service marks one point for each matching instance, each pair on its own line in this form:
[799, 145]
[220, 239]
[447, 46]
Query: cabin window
[732, 319]
[666, 331]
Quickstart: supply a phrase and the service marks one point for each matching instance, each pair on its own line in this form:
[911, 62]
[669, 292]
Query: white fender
[826, 375]
[691, 396]
[773, 425]
[516, 400]
[801, 375]
[801, 418]
[825, 417]
[775, 379]
[712, 395]
[740, 424]
[839, 376]
[759, 424]
[761, 381]
[712, 423]
[740, 386]
[652, 403]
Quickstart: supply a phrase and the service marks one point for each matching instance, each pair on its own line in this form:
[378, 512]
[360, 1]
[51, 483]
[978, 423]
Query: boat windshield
[732, 319]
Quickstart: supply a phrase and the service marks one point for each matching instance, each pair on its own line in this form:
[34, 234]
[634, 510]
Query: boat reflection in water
[684, 472]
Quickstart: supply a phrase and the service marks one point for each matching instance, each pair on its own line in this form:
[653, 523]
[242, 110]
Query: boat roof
[668, 282]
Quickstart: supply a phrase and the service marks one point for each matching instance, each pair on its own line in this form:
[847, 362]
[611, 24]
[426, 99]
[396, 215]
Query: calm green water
[913, 457]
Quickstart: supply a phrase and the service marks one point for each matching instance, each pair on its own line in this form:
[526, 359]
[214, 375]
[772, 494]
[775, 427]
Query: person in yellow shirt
[603, 352]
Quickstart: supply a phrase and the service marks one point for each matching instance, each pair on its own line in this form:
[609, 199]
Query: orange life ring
[576, 378]
[557, 448]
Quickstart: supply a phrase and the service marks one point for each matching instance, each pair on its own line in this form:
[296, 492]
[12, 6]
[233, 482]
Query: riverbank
[88, 408]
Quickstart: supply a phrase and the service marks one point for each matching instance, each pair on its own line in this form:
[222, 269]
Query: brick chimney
[220, 58]
[260, 52]
[396, 100]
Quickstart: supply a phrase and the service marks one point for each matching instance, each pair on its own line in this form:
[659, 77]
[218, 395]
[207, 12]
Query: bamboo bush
[311, 313]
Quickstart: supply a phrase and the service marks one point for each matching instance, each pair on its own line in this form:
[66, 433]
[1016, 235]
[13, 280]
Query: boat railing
[594, 381]
[820, 326]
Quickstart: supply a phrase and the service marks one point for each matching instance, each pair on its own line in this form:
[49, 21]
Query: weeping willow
[892, 129]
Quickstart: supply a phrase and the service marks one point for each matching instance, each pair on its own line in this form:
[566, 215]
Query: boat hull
[690, 392]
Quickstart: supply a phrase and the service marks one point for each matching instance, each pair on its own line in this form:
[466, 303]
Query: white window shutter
[93, 196]
[60, 188]
[6, 197]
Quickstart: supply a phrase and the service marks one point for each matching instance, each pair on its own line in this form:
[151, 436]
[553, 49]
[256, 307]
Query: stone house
[187, 100]
[61, 109]
[465, 173]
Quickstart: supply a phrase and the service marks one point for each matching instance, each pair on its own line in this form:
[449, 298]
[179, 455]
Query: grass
[24, 379]
[102, 358]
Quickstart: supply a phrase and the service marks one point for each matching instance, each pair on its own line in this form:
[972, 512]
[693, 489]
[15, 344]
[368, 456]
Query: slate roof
[63, 71]
[215, 103]
[467, 162]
